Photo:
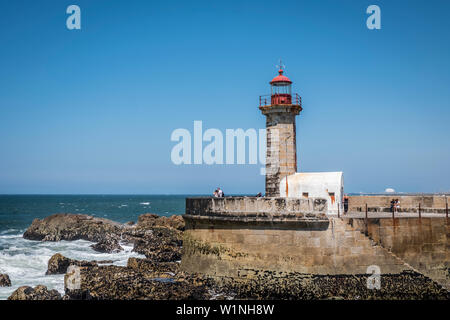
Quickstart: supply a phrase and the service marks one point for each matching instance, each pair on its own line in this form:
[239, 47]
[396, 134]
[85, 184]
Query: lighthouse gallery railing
[266, 100]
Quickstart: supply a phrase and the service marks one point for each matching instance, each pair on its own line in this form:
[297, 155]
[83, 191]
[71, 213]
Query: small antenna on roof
[281, 66]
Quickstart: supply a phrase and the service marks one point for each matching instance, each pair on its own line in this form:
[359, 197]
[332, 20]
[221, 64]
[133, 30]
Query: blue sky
[92, 110]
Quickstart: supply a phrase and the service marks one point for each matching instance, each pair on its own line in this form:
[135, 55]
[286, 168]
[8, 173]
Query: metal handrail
[296, 99]
[266, 100]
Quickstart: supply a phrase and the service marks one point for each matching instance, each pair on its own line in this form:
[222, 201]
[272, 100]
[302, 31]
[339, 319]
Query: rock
[72, 227]
[113, 282]
[58, 264]
[147, 220]
[107, 246]
[161, 244]
[80, 226]
[158, 238]
[4, 280]
[158, 269]
[39, 292]
[150, 220]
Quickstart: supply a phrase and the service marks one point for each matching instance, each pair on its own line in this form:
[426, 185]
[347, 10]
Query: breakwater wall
[242, 237]
[226, 236]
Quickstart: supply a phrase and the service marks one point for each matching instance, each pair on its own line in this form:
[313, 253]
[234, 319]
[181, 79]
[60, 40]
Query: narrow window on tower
[305, 194]
[331, 194]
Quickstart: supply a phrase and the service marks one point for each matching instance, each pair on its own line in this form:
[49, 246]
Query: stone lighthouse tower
[280, 109]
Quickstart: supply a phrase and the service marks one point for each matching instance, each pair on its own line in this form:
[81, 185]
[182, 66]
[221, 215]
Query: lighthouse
[282, 179]
[280, 108]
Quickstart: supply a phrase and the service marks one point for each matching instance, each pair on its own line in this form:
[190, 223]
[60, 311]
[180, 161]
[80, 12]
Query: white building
[327, 185]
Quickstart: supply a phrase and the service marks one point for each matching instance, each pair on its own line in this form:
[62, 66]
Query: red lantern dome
[280, 78]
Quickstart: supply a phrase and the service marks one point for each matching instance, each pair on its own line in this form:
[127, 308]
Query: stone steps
[437, 275]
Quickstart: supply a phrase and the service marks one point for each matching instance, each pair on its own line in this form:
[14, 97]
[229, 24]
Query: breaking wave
[25, 261]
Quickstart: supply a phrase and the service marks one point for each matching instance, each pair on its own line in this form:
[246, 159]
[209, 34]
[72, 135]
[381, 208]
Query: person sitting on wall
[397, 205]
[220, 193]
[216, 194]
[259, 195]
[392, 205]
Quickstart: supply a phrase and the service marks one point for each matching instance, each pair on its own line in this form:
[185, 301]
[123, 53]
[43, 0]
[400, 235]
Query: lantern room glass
[281, 88]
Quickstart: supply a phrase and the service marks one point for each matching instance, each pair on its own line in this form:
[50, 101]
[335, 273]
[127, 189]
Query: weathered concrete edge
[200, 221]
[265, 206]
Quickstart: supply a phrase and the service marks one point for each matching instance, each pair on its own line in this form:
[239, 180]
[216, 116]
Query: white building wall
[316, 184]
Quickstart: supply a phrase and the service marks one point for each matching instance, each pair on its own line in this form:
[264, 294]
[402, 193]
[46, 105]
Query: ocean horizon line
[206, 194]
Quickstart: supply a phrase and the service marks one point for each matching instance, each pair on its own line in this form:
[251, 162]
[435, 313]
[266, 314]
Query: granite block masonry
[226, 236]
[281, 158]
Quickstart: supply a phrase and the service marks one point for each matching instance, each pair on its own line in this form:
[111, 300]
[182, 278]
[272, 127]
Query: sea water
[25, 261]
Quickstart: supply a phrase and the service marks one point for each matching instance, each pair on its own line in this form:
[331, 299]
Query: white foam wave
[26, 261]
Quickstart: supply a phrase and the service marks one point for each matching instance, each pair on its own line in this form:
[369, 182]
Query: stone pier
[244, 237]
[226, 236]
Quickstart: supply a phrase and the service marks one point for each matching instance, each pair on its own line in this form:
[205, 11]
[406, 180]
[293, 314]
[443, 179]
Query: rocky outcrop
[73, 227]
[141, 279]
[158, 269]
[155, 277]
[158, 238]
[161, 244]
[113, 282]
[107, 246]
[37, 293]
[58, 264]
[4, 280]
[149, 220]
[147, 279]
